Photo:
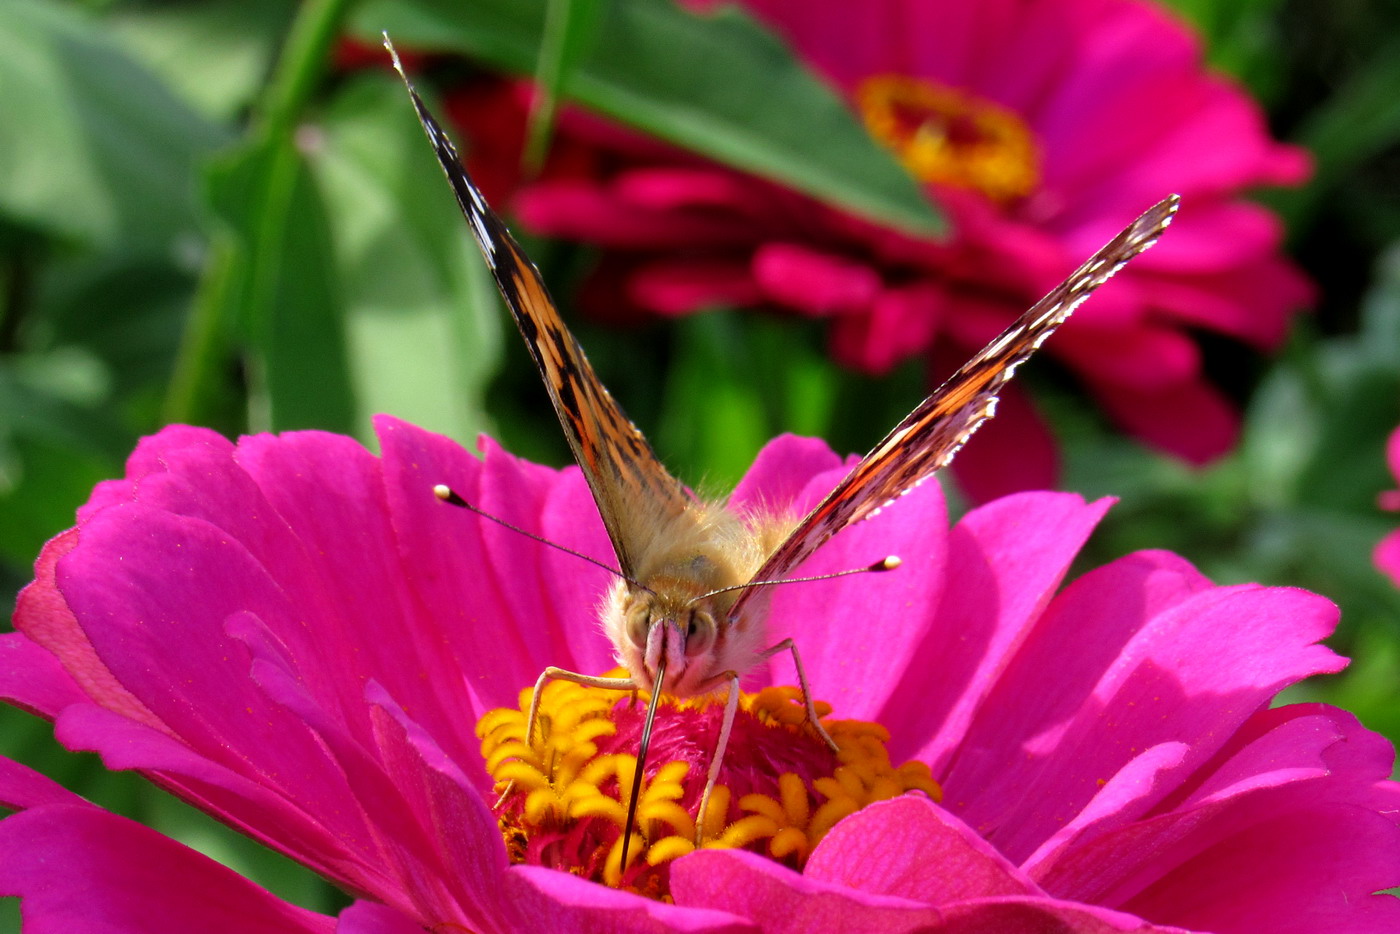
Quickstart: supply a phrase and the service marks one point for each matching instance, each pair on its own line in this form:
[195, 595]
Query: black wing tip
[1160, 216]
[1139, 236]
[489, 230]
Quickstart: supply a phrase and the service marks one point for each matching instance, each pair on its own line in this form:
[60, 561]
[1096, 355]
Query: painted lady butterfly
[687, 611]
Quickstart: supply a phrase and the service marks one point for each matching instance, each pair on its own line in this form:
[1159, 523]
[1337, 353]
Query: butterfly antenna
[888, 563]
[642, 751]
[449, 496]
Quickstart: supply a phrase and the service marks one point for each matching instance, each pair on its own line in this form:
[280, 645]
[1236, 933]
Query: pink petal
[397, 850]
[899, 322]
[1387, 557]
[557, 605]
[1036, 915]
[240, 801]
[1270, 888]
[887, 848]
[456, 877]
[681, 285]
[1150, 675]
[1192, 420]
[364, 917]
[162, 614]
[857, 634]
[1007, 558]
[42, 614]
[330, 490]
[1177, 149]
[1295, 742]
[581, 210]
[468, 569]
[781, 472]
[669, 187]
[1252, 301]
[150, 457]
[814, 281]
[1009, 454]
[1148, 357]
[32, 679]
[21, 787]
[780, 900]
[1207, 235]
[80, 869]
[557, 901]
[1308, 773]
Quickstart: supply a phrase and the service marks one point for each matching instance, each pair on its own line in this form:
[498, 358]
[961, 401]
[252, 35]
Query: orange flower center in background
[780, 788]
[947, 136]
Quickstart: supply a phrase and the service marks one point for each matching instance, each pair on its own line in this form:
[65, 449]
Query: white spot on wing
[483, 237]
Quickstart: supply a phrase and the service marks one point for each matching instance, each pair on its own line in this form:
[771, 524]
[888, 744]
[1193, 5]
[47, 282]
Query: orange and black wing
[629, 483]
[931, 434]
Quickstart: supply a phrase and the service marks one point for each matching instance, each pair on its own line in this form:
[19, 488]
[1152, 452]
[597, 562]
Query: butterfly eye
[639, 622]
[699, 633]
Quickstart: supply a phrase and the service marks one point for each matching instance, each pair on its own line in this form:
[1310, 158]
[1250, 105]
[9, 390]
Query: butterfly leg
[550, 674]
[787, 645]
[731, 709]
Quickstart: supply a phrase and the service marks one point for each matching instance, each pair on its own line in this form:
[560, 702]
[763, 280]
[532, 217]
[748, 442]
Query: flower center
[947, 136]
[780, 788]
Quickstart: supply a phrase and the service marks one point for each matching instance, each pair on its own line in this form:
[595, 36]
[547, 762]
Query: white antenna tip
[443, 492]
[889, 563]
[393, 53]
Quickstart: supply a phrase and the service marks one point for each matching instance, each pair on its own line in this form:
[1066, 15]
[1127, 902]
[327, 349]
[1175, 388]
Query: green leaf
[569, 27]
[125, 311]
[1379, 340]
[54, 445]
[1316, 430]
[733, 382]
[1357, 122]
[423, 318]
[93, 148]
[719, 85]
[281, 294]
[215, 53]
[716, 414]
[1244, 38]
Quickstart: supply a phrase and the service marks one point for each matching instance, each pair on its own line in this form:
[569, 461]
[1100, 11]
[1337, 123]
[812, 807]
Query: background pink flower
[296, 636]
[1387, 553]
[1041, 127]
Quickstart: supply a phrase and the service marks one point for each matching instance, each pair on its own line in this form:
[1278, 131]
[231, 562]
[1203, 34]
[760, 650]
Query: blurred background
[223, 213]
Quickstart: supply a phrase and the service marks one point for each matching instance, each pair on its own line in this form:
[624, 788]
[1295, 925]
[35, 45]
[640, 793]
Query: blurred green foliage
[200, 220]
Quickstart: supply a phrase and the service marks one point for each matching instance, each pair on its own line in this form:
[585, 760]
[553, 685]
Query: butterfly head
[665, 622]
[675, 618]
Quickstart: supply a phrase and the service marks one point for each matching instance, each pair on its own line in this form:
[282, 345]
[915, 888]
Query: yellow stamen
[716, 812]
[765, 807]
[948, 136]
[566, 800]
[788, 842]
[794, 797]
[669, 848]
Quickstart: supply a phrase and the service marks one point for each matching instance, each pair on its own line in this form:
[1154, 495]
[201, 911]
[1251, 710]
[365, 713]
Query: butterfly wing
[928, 438]
[621, 469]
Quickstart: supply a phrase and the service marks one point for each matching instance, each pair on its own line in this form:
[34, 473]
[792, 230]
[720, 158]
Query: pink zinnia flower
[297, 637]
[1040, 126]
[1387, 553]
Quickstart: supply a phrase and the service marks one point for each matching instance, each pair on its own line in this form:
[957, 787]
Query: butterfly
[686, 614]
